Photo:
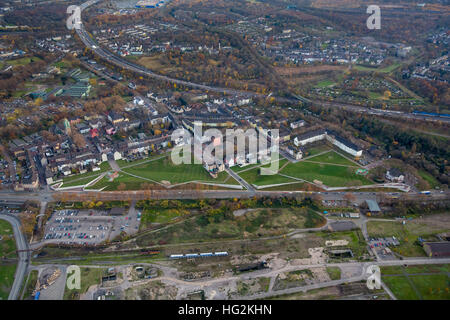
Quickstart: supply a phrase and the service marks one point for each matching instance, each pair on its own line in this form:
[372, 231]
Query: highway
[24, 256]
[125, 64]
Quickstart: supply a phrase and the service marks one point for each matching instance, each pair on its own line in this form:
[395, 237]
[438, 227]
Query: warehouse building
[437, 249]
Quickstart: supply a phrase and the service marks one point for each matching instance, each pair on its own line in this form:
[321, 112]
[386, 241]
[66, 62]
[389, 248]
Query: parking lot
[383, 242]
[88, 227]
[382, 246]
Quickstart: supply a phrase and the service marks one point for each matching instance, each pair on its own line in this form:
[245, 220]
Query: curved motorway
[112, 58]
[123, 63]
[23, 253]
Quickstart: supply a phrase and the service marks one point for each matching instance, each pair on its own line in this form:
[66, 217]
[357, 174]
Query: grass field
[7, 250]
[387, 69]
[400, 287]
[419, 287]
[7, 273]
[253, 176]
[130, 182]
[334, 273]
[164, 170]
[152, 215]
[412, 269]
[432, 181]
[332, 157]
[314, 150]
[334, 170]
[31, 284]
[355, 240]
[157, 169]
[325, 83]
[89, 277]
[7, 244]
[407, 234]
[330, 175]
[254, 224]
[22, 61]
[82, 179]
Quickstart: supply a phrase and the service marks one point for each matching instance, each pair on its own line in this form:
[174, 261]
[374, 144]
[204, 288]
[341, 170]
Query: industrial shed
[437, 249]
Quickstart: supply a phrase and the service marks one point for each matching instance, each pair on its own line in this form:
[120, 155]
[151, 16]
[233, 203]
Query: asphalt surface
[363, 276]
[112, 58]
[24, 256]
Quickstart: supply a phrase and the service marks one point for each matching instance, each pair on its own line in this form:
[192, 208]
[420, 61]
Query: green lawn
[7, 273]
[22, 61]
[160, 215]
[160, 170]
[432, 287]
[325, 83]
[312, 151]
[238, 169]
[31, 284]
[407, 234]
[332, 157]
[375, 95]
[400, 287]
[432, 181]
[412, 269]
[82, 179]
[7, 244]
[330, 175]
[131, 183]
[418, 287]
[89, 277]
[387, 69]
[334, 273]
[254, 177]
[355, 240]
[164, 170]
[261, 222]
[124, 163]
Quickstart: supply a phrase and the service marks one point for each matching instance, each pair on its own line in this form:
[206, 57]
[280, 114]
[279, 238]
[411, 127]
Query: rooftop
[373, 206]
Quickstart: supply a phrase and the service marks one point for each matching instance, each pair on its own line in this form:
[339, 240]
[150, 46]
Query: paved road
[363, 276]
[241, 181]
[125, 64]
[24, 257]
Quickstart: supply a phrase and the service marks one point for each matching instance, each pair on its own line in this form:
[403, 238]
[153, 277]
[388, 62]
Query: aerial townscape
[224, 150]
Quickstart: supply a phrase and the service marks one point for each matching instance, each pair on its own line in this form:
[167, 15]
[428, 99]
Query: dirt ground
[155, 290]
[306, 70]
[440, 221]
[317, 256]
